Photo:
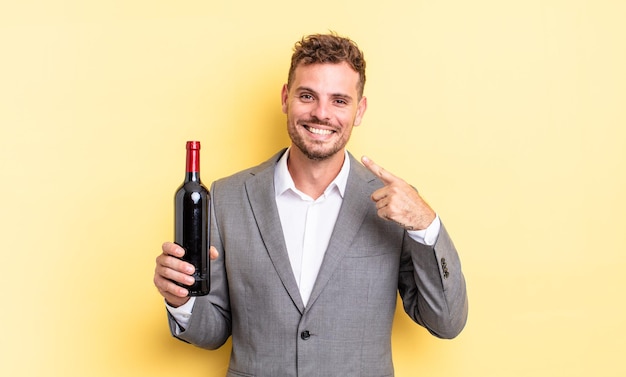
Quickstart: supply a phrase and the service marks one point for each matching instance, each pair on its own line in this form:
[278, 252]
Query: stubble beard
[315, 150]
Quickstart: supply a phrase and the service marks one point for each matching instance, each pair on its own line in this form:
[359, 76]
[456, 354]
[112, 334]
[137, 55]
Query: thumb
[213, 253]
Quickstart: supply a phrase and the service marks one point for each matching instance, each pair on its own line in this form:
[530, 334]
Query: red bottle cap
[193, 145]
[193, 157]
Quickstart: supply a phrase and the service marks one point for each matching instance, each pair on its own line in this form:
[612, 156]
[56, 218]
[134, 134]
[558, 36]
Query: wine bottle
[191, 207]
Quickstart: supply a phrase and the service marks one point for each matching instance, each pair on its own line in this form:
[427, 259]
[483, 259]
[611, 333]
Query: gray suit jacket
[345, 330]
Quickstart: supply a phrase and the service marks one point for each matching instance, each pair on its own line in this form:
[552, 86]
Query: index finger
[381, 173]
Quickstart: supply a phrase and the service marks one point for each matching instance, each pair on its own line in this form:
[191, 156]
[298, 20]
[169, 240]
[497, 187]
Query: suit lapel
[263, 204]
[355, 204]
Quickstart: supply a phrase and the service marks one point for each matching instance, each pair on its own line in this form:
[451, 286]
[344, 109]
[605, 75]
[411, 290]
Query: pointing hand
[398, 201]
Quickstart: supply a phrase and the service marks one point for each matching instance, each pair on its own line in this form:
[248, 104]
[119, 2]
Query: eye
[341, 101]
[305, 97]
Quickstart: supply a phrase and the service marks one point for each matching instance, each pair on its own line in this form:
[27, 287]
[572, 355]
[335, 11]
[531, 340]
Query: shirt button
[305, 335]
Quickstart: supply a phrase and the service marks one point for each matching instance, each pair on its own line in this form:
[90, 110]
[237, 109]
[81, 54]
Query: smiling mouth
[318, 131]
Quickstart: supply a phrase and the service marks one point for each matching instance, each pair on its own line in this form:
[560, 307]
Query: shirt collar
[284, 182]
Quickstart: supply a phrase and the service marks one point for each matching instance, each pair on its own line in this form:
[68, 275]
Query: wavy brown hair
[328, 48]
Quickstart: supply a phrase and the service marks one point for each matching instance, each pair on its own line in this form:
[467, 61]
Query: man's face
[322, 106]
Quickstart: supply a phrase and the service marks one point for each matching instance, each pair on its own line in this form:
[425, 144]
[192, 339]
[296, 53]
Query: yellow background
[510, 117]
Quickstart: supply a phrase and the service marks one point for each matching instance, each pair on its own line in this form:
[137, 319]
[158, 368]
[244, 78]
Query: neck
[312, 177]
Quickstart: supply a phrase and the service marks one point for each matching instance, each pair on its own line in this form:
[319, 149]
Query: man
[310, 248]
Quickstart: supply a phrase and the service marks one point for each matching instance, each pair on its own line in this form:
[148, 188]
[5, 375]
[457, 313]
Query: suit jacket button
[305, 335]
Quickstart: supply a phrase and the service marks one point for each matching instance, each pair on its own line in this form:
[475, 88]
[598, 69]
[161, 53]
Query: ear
[284, 94]
[360, 111]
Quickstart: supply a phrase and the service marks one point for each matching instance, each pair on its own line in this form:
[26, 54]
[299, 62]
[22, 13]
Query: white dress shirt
[307, 223]
[307, 226]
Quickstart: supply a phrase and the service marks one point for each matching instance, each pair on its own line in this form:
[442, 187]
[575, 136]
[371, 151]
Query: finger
[175, 264]
[380, 199]
[213, 253]
[172, 268]
[174, 275]
[381, 173]
[170, 248]
[169, 290]
[165, 278]
[171, 259]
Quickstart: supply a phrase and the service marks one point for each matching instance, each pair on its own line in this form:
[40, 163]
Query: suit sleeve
[432, 285]
[210, 323]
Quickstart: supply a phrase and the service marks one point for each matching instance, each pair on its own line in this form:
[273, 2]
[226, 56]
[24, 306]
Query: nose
[321, 110]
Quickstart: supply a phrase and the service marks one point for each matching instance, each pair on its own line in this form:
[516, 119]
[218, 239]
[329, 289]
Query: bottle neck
[193, 165]
[192, 177]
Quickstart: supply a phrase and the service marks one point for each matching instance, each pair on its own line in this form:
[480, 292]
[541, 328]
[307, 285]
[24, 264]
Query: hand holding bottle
[171, 268]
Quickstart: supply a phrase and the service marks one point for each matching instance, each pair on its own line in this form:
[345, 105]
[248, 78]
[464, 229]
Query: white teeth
[318, 131]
